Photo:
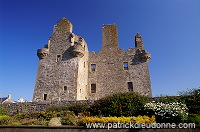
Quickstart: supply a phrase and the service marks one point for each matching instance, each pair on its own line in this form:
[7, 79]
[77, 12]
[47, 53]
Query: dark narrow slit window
[130, 86]
[93, 67]
[58, 58]
[45, 96]
[65, 88]
[125, 65]
[93, 88]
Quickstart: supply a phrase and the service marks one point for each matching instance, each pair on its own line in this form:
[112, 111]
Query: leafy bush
[66, 114]
[191, 98]
[56, 108]
[9, 121]
[67, 121]
[44, 115]
[3, 111]
[70, 121]
[24, 116]
[167, 112]
[33, 122]
[78, 108]
[4, 120]
[120, 104]
[16, 121]
[194, 118]
[2, 116]
[167, 99]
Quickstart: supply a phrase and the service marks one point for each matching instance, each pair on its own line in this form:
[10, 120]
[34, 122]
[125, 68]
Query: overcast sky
[170, 30]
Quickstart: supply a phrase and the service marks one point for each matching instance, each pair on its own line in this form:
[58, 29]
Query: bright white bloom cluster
[168, 110]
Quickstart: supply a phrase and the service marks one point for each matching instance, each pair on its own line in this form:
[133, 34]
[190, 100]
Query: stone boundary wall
[83, 129]
[38, 107]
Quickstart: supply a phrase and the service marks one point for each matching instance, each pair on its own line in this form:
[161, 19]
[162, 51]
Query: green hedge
[120, 104]
[192, 100]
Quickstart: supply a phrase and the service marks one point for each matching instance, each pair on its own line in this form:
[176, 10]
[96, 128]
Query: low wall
[37, 107]
[83, 129]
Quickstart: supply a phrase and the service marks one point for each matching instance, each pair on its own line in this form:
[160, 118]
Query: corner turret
[78, 50]
[143, 55]
[42, 53]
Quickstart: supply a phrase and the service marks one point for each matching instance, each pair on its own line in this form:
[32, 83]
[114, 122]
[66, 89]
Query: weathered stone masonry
[67, 71]
[16, 108]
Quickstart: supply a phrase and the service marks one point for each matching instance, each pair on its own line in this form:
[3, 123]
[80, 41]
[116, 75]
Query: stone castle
[67, 71]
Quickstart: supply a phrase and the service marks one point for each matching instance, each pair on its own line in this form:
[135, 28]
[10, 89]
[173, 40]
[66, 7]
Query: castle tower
[67, 71]
[62, 69]
[109, 38]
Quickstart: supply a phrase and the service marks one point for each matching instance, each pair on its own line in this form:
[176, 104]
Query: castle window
[58, 58]
[93, 67]
[125, 65]
[45, 96]
[130, 86]
[93, 88]
[65, 88]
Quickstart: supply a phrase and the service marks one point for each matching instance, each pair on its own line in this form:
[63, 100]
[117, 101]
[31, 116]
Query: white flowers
[168, 110]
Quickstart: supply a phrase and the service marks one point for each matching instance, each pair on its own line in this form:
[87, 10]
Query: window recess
[130, 86]
[58, 58]
[65, 88]
[45, 96]
[93, 88]
[125, 65]
[93, 67]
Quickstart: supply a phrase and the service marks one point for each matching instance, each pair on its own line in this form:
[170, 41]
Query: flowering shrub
[167, 112]
[33, 122]
[133, 119]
